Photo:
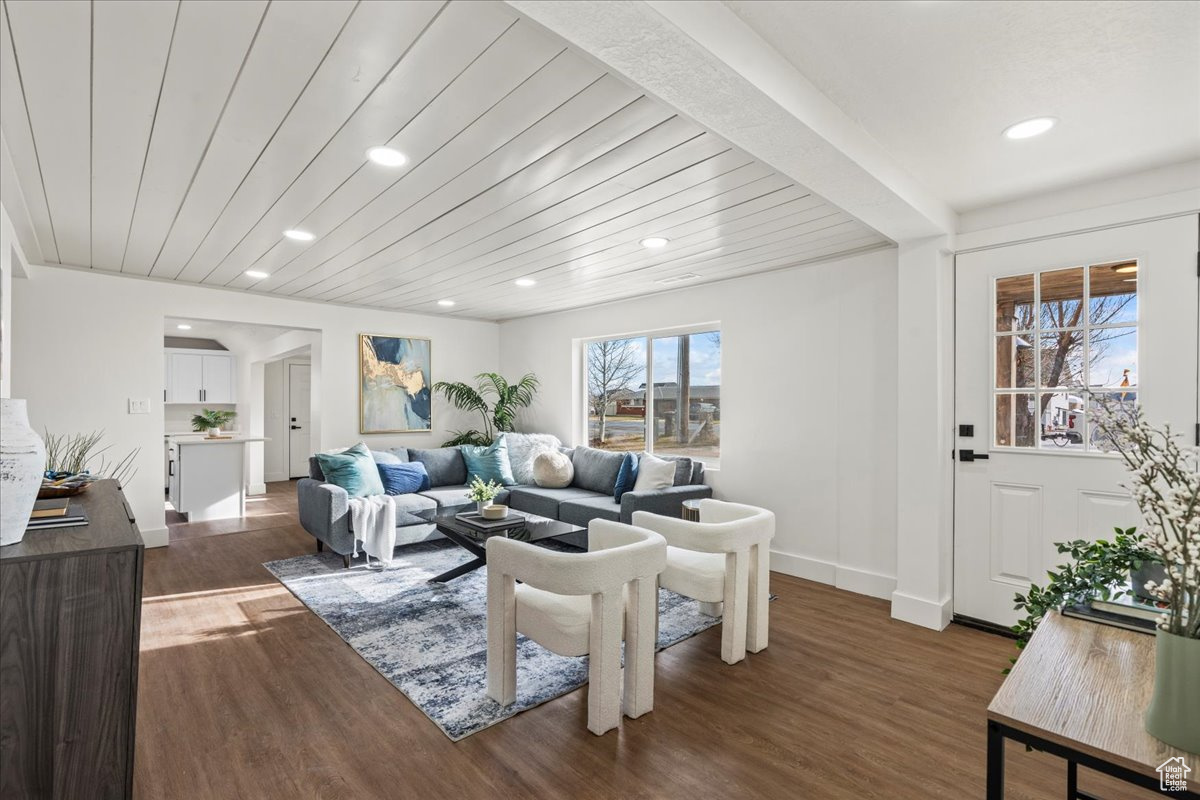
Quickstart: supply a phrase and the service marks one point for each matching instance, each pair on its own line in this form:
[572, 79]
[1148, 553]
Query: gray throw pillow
[596, 470]
[445, 465]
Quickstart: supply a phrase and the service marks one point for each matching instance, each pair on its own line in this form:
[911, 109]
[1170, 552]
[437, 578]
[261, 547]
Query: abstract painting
[393, 384]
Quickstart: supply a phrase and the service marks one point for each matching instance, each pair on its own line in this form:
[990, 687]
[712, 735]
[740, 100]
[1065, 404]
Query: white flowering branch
[1165, 483]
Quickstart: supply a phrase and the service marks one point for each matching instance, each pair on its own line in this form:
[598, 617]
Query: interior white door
[186, 377]
[218, 379]
[299, 401]
[1043, 329]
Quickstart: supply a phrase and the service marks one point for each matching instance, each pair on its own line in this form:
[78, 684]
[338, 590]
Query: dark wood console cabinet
[70, 612]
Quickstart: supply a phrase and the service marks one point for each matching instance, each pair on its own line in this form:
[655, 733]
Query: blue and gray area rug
[430, 640]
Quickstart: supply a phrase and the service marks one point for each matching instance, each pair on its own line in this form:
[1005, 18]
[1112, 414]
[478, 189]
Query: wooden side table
[691, 510]
[1078, 691]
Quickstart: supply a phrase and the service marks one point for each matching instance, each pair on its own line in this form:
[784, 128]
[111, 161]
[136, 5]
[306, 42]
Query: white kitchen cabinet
[200, 377]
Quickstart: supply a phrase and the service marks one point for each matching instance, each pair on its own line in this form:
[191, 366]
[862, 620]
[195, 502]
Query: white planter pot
[22, 462]
[480, 505]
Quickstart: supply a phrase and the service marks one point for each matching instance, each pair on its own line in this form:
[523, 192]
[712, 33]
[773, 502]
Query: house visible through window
[660, 393]
[1066, 341]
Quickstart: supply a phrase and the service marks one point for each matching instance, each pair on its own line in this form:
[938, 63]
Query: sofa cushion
[582, 511]
[400, 478]
[700, 576]
[453, 496]
[353, 469]
[544, 501]
[488, 463]
[445, 465]
[596, 470]
[411, 509]
[523, 448]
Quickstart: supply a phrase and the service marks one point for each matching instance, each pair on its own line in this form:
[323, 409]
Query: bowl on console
[495, 511]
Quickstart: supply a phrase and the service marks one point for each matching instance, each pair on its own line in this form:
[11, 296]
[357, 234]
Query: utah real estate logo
[1172, 775]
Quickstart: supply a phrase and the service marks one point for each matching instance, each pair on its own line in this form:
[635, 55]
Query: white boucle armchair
[724, 558]
[577, 604]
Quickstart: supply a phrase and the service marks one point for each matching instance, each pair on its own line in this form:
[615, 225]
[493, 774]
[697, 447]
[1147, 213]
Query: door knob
[971, 455]
[295, 427]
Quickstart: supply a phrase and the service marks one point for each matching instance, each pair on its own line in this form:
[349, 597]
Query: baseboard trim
[156, 537]
[859, 581]
[919, 611]
[256, 488]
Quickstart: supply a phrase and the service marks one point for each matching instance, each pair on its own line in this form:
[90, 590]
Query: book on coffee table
[477, 521]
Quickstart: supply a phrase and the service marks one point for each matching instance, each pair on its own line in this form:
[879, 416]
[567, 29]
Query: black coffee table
[474, 541]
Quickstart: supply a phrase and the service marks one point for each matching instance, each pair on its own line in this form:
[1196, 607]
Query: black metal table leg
[995, 762]
[1072, 780]
[461, 569]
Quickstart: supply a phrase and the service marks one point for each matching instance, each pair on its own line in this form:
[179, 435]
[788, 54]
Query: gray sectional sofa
[325, 514]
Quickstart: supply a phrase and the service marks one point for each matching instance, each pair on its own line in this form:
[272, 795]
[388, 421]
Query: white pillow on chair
[654, 473]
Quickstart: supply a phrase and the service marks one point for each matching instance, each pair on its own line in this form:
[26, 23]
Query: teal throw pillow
[489, 463]
[354, 470]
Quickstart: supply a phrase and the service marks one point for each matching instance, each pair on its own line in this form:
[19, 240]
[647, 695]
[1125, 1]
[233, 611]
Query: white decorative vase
[480, 505]
[22, 462]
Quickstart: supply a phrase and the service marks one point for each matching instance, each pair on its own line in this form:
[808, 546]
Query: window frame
[1035, 333]
[583, 435]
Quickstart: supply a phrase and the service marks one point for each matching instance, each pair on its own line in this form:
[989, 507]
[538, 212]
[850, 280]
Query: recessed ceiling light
[525, 282]
[183, 326]
[445, 303]
[1030, 127]
[654, 241]
[387, 156]
[299, 235]
[1123, 268]
[258, 275]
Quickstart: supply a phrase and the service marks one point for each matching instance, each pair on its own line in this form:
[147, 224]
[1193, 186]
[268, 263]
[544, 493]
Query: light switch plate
[139, 406]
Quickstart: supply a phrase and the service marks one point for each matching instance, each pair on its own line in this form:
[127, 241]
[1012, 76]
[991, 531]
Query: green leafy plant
[499, 415]
[209, 419]
[1094, 569]
[71, 454]
[482, 492]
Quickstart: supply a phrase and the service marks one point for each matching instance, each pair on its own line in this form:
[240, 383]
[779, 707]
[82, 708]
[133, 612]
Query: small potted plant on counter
[483, 493]
[212, 421]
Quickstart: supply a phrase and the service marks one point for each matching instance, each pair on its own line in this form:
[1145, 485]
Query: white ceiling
[179, 140]
[935, 83]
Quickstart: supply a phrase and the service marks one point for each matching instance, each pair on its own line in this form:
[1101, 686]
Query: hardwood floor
[247, 694]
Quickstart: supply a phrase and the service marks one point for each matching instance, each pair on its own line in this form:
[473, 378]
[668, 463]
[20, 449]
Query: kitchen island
[207, 476]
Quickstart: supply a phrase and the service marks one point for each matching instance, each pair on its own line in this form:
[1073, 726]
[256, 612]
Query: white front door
[299, 388]
[1042, 331]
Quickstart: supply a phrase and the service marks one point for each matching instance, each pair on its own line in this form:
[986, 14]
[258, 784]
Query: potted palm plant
[212, 420]
[498, 416]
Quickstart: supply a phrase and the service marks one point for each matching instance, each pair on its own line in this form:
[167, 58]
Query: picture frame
[395, 384]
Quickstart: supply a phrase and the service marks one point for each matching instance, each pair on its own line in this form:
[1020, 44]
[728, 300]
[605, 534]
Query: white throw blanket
[374, 522]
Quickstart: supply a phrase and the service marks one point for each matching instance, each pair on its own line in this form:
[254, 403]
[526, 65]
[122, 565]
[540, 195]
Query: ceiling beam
[700, 58]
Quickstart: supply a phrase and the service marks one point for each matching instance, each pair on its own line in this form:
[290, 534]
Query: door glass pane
[1062, 298]
[1062, 358]
[687, 396]
[1014, 303]
[616, 387]
[1117, 405]
[1016, 420]
[1014, 362]
[1112, 357]
[1113, 293]
[1062, 421]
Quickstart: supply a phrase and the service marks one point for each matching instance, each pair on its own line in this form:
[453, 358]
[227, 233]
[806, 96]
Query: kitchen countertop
[235, 439]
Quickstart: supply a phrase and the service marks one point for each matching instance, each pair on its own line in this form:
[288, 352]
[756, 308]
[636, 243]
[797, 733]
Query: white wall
[808, 402]
[84, 342]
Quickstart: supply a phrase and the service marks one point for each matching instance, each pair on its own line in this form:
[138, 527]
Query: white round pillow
[553, 470]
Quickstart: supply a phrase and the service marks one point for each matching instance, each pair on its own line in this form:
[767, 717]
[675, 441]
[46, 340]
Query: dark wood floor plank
[245, 693]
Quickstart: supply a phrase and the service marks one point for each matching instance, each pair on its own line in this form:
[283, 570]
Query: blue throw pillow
[626, 476]
[401, 478]
[353, 469]
[489, 463]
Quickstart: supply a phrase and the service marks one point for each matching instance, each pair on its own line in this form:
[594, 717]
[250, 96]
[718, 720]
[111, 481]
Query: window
[660, 393]
[1066, 340]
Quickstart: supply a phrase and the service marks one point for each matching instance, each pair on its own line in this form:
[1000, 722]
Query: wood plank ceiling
[179, 140]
